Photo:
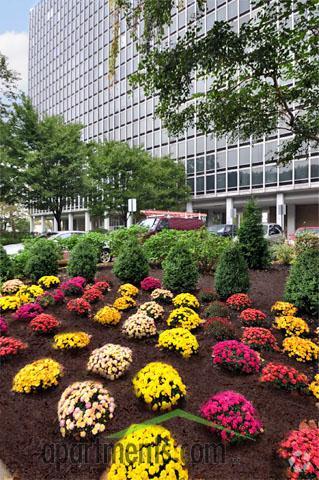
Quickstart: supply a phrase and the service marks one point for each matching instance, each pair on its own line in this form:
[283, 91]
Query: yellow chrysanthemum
[70, 340]
[48, 281]
[291, 325]
[39, 375]
[107, 316]
[179, 339]
[302, 349]
[186, 300]
[184, 317]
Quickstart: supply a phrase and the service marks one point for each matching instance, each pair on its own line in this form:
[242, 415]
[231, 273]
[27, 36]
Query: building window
[257, 177]
[315, 168]
[221, 182]
[190, 182]
[271, 175]
[200, 165]
[244, 156]
[190, 166]
[232, 180]
[244, 178]
[301, 171]
[285, 175]
[199, 185]
[210, 183]
[210, 162]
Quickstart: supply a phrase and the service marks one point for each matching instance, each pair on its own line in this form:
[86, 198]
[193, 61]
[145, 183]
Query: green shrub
[231, 274]
[216, 309]
[19, 262]
[306, 241]
[83, 259]
[180, 271]
[302, 284]
[6, 270]
[251, 238]
[117, 238]
[282, 253]
[131, 264]
[43, 259]
[157, 247]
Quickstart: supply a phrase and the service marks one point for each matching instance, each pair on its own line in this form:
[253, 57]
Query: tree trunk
[57, 216]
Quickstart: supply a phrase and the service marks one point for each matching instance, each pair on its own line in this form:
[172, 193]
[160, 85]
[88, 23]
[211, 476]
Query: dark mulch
[32, 448]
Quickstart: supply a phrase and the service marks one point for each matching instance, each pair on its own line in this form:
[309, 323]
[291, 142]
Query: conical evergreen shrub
[131, 264]
[6, 269]
[231, 275]
[180, 270]
[83, 260]
[43, 259]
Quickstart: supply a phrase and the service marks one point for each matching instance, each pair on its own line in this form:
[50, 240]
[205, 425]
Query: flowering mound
[283, 308]
[186, 300]
[124, 303]
[152, 309]
[251, 317]
[162, 295]
[179, 339]
[236, 356]
[314, 386]
[184, 317]
[92, 295]
[207, 295]
[27, 294]
[79, 306]
[283, 376]
[300, 448]
[110, 361]
[10, 346]
[216, 309]
[51, 298]
[102, 286]
[36, 376]
[157, 456]
[44, 323]
[3, 326]
[72, 340]
[9, 303]
[28, 311]
[48, 281]
[234, 416]
[11, 286]
[291, 325]
[301, 349]
[73, 286]
[259, 338]
[84, 409]
[220, 328]
[239, 301]
[159, 385]
[139, 326]
[128, 289]
[150, 283]
[107, 316]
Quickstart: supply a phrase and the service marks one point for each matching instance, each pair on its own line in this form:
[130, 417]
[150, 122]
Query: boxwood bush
[43, 259]
[83, 259]
[6, 270]
[231, 274]
[180, 271]
[131, 264]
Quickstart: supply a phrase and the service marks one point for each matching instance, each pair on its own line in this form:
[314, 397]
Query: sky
[14, 36]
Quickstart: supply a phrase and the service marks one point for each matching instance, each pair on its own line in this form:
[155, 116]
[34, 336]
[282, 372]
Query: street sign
[132, 205]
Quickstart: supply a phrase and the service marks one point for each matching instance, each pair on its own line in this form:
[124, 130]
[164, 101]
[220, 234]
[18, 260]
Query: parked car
[273, 232]
[301, 231]
[223, 230]
[105, 255]
[157, 224]
[13, 248]
[63, 234]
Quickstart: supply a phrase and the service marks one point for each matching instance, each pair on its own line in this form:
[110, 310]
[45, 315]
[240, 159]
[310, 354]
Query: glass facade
[68, 75]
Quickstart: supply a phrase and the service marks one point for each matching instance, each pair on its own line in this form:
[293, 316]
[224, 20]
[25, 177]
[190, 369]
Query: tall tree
[8, 85]
[119, 172]
[262, 78]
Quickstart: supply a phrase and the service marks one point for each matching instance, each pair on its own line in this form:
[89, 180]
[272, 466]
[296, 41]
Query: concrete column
[42, 226]
[88, 225]
[291, 219]
[70, 221]
[229, 211]
[107, 223]
[280, 210]
[265, 216]
[31, 224]
[189, 207]
[55, 225]
[129, 220]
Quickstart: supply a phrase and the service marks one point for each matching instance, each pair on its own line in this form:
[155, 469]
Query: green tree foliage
[83, 259]
[231, 274]
[131, 172]
[180, 271]
[6, 270]
[42, 260]
[118, 237]
[302, 284]
[8, 87]
[131, 264]
[251, 237]
[261, 77]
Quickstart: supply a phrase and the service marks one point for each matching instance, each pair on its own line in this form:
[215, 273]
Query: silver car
[273, 232]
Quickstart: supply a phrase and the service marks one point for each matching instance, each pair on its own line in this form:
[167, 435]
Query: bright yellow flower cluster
[84, 409]
[301, 349]
[179, 339]
[124, 303]
[38, 375]
[127, 289]
[283, 308]
[11, 286]
[24, 294]
[70, 340]
[48, 281]
[314, 386]
[156, 456]
[184, 317]
[152, 309]
[107, 316]
[291, 325]
[186, 300]
[110, 361]
[159, 385]
[9, 302]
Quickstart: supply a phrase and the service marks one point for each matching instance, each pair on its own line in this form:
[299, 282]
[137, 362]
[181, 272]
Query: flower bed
[28, 311]
[251, 317]
[159, 385]
[3, 326]
[103, 286]
[301, 349]
[73, 287]
[283, 309]
[11, 286]
[150, 283]
[71, 340]
[139, 325]
[127, 289]
[259, 338]
[314, 386]
[92, 294]
[220, 328]
[239, 301]
[79, 306]
[124, 303]
[216, 309]
[236, 356]
[291, 325]
[184, 317]
[44, 323]
[152, 309]
[49, 281]
[36, 376]
[234, 417]
[10, 346]
[179, 339]
[162, 295]
[110, 361]
[108, 316]
[186, 300]
[85, 408]
[283, 376]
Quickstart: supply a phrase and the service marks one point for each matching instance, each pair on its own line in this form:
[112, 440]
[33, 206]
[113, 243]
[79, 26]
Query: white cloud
[14, 45]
